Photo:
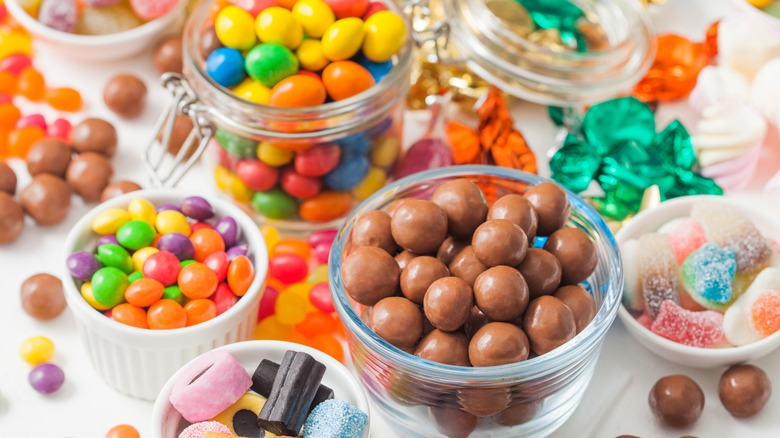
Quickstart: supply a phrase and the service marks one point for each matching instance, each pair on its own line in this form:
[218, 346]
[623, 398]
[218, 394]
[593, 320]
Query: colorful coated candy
[36, 350]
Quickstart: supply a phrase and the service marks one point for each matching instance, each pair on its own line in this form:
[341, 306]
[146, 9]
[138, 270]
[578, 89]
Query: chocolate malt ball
[465, 206]
[46, 199]
[125, 95]
[48, 155]
[549, 323]
[89, 174]
[676, 401]
[398, 321]
[551, 206]
[576, 252]
[373, 229]
[499, 242]
[419, 226]
[517, 209]
[43, 297]
[744, 390]
[370, 274]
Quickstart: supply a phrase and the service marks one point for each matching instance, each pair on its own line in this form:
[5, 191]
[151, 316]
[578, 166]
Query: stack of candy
[296, 305]
[45, 377]
[707, 281]
[96, 17]
[163, 267]
[218, 398]
[301, 55]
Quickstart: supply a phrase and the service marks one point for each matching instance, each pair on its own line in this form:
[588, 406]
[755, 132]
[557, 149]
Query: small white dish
[167, 422]
[651, 220]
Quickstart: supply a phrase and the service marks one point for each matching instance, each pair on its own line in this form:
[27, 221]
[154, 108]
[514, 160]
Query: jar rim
[589, 338]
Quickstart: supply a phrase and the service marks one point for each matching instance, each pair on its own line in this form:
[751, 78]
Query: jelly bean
[60, 129]
[238, 250]
[302, 289]
[172, 221]
[344, 79]
[131, 315]
[31, 84]
[298, 91]
[197, 208]
[151, 9]
[228, 228]
[240, 275]
[290, 308]
[272, 155]
[267, 303]
[270, 63]
[322, 252]
[64, 99]
[7, 83]
[235, 28]
[135, 276]
[311, 56]
[166, 315]
[321, 299]
[288, 268]
[274, 283]
[177, 244]
[108, 286]
[15, 63]
[343, 39]
[329, 345]
[200, 310]
[108, 221]
[257, 175]
[224, 298]
[318, 275]
[82, 264]
[373, 8]
[218, 262]
[115, 256]
[271, 236]
[314, 15]
[36, 120]
[173, 293]
[144, 292]
[316, 323]
[197, 281]
[226, 66]
[15, 42]
[385, 34]
[230, 184]
[348, 174]
[46, 378]
[274, 204]
[325, 207]
[20, 140]
[206, 242]
[9, 115]
[386, 151]
[348, 8]
[319, 237]
[254, 7]
[272, 329]
[374, 180]
[298, 185]
[318, 160]
[36, 350]
[253, 91]
[139, 257]
[296, 337]
[124, 430]
[276, 25]
[163, 267]
[135, 234]
[298, 247]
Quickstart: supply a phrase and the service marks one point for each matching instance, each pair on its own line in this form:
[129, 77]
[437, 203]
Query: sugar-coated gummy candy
[36, 350]
[198, 430]
[707, 275]
[106, 20]
[58, 14]
[269, 63]
[658, 272]
[687, 238]
[276, 25]
[151, 9]
[46, 378]
[756, 311]
[335, 418]
[697, 329]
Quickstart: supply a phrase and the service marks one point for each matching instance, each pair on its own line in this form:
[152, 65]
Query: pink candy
[687, 238]
[698, 329]
[321, 299]
[151, 9]
[267, 303]
[288, 268]
[14, 64]
[198, 430]
[60, 129]
[36, 120]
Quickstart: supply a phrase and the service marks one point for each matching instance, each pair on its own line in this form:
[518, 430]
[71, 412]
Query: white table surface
[616, 401]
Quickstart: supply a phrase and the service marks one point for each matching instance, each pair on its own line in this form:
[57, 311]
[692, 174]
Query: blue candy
[349, 173]
[710, 271]
[226, 66]
[335, 419]
[377, 69]
[356, 144]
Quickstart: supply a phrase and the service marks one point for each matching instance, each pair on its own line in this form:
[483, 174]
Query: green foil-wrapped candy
[614, 121]
[575, 164]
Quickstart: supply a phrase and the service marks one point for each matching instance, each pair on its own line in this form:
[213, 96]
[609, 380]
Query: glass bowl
[530, 398]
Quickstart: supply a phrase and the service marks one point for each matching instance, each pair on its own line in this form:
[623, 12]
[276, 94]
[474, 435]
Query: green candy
[186, 263]
[274, 204]
[270, 63]
[173, 293]
[575, 164]
[115, 256]
[555, 14]
[619, 120]
[675, 147]
[137, 275]
[109, 285]
[236, 146]
[136, 235]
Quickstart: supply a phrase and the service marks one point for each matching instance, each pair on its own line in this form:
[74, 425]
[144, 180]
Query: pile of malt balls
[460, 282]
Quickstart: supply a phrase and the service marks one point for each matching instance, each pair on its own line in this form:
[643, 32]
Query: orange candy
[206, 242]
[197, 280]
[675, 70]
[329, 345]
[766, 313]
[129, 314]
[64, 99]
[166, 315]
[344, 79]
[144, 292]
[298, 247]
[199, 311]
[298, 91]
[123, 431]
[326, 206]
[315, 324]
[9, 115]
[20, 140]
[7, 83]
[240, 275]
[31, 84]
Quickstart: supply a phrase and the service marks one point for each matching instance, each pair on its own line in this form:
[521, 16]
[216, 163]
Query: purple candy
[227, 227]
[322, 236]
[46, 378]
[177, 244]
[83, 264]
[168, 207]
[58, 14]
[238, 250]
[197, 208]
[424, 154]
[102, 240]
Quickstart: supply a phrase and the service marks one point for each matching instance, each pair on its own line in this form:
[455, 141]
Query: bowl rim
[37, 28]
[637, 329]
[258, 347]
[250, 232]
[590, 337]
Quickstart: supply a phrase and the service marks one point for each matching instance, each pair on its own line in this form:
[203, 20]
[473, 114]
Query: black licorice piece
[245, 424]
[263, 381]
[293, 391]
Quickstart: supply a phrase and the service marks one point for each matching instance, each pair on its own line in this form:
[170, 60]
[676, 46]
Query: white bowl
[136, 361]
[99, 47]
[167, 422]
[649, 221]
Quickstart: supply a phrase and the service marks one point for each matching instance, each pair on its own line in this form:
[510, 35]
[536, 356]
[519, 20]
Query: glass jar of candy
[299, 163]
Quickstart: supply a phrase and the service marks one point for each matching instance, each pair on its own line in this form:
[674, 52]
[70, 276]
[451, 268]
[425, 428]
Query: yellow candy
[272, 155]
[229, 183]
[14, 42]
[271, 236]
[86, 293]
[314, 15]
[385, 35]
[140, 256]
[343, 39]
[311, 56]
[36, 350]
[385, 152]
[109, 221]
[278, 26]
[318, 275]
[253, 91]
[141, 209]
[248, 402]
[761, 4]
[302, 290]
[171, 221]
[374, 180]
[235, 28]
[272, 329]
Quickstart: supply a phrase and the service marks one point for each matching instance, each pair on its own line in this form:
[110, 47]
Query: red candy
[257, 175]
[162, 266]
[323, 236]
[218, 262]
[224, 298]
[373, 8]
[298, 185]
[697, 329]
[348, 8]
[59, 129]
[321, 299]
[288, 268]
[14, 64]
[267, 303]
[318, 160]
[200, 226]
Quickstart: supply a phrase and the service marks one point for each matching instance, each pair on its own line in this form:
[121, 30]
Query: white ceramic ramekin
[100, 47]
[167, 422]
[138, 362]
[649, 221]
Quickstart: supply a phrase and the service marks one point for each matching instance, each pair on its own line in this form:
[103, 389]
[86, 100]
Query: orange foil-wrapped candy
[674, 72]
